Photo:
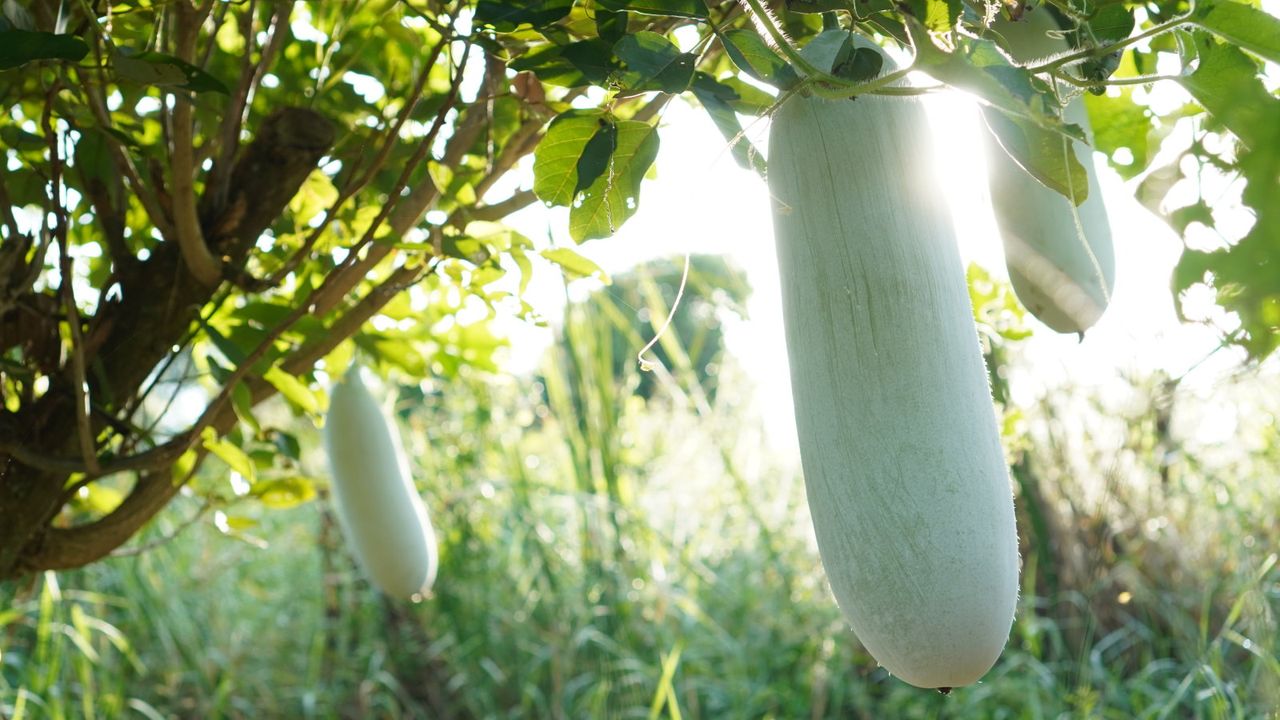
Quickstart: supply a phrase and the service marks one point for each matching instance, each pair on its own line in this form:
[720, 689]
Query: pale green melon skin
[379, 510]
[1062, 272]
[905, 477]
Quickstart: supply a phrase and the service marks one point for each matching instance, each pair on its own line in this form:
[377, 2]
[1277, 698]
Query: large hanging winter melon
[379, 510]
[904, 472]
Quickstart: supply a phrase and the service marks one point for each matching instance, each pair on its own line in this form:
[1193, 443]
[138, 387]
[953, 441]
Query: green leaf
[696, 9]
[615, 196]
[293, 389]
[859, 64]
[507, 16]
[153, 68]
[834, 52]
[1047, 156]
[750, 53]
[1118, 123]
[611, 26]
[819, 6]
[19, 47]
[18, 139]
[717, 99]
[242, 403]
[287, 444]
[577, 64]
[938, 16]
[749, 99]
[654, 63]
[314, 197]
[286, 492]
[574, 264]
[555, 161]
[1111, 23]
[593, 58]
[229, 350]
[1243, 25]
[1226, 83]
[229, 453]
[596, 154]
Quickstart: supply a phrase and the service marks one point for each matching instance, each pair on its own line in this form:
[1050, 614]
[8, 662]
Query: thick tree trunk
[132, 335]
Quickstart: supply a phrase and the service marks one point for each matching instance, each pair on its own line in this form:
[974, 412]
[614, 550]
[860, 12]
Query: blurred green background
[626, 544]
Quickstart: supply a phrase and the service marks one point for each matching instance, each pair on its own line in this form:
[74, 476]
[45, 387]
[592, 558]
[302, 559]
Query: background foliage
[1151, 586]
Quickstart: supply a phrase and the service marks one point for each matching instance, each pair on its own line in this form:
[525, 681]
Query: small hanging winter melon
[379, 510]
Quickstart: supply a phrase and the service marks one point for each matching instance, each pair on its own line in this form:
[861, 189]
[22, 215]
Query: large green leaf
[153, 68]
[581, 143]
[750, 53]
[555, 161]
[1047, 156]
[1242, 25]
[615, 196]
[292, 389]
[285, 492]
[1118, 122]
[653, 63]
[596, 155]
[938, 16]
[676, 8]
[19, 47]
[717, 99]
[577, 64]
[507, 16]
[229, 453]
[574, 264]
[1226, 83]
[1246, 276]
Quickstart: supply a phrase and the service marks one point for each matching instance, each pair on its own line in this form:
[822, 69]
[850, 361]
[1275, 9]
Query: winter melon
[1060, 257]
[906, 481]
[379, 510]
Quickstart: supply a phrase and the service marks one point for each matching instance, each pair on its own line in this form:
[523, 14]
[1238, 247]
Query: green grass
[603, 556]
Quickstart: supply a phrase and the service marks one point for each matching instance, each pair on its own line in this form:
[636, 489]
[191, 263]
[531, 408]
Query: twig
[345, 276]
[251, 74]
[496, 211]
[358, 183]
[6, 208]
[81, 389]
[204, 508]
[206, 268]
[124, 163]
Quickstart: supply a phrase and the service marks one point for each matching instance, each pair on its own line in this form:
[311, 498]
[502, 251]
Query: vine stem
[1139, 80]
[1082, 55]
[784, 44]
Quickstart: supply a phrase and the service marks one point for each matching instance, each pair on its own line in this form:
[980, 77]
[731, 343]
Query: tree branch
[499, 210]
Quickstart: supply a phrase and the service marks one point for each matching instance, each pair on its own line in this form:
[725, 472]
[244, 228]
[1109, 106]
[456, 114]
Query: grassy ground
[604, 556]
